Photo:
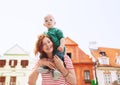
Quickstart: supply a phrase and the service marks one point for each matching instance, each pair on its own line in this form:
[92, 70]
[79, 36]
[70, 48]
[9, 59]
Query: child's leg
[55, 73]
[43, 69]
[61, 54]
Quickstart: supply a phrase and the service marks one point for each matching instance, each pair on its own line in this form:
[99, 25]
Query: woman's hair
[39, 46]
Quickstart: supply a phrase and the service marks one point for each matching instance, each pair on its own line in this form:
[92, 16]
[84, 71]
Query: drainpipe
[96, 65]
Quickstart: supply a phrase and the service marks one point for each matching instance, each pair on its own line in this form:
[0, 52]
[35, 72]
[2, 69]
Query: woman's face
[47, 45]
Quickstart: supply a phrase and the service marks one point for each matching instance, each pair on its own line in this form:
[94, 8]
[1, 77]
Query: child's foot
[56, 74]
[42, 70]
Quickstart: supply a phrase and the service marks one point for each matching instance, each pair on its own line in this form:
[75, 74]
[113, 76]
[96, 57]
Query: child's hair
[49, 15]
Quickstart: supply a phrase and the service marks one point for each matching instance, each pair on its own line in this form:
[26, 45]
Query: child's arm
[62, 44]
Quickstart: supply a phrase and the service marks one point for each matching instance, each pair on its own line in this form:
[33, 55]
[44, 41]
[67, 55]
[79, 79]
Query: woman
[45, 47]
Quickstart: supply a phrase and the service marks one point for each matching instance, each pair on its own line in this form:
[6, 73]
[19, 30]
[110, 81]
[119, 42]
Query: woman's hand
[58, 62]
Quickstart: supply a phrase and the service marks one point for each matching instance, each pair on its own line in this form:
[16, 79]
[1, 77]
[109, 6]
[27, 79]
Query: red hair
[39, 46]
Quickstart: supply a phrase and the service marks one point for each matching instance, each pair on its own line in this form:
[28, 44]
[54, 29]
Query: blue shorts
[60, 54]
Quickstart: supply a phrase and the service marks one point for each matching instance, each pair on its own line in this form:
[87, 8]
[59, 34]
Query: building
[15, 66]
[107, 65]
[83, 64]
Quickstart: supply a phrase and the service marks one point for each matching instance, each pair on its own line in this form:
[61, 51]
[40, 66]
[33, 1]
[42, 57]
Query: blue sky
[82, 20]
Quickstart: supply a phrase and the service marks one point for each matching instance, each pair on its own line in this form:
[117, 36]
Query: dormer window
[103, 59]
[102, 53]
[117, 59]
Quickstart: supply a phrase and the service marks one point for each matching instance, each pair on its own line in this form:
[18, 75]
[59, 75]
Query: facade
[107, 65]
[82, 63]
[14, 66]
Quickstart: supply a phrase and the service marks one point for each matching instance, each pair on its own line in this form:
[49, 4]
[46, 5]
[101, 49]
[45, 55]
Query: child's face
[49, 21]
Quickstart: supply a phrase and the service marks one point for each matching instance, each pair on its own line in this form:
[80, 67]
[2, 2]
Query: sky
[84, 21]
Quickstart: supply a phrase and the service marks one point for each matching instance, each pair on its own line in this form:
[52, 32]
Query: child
[56, 35]
[58, 39]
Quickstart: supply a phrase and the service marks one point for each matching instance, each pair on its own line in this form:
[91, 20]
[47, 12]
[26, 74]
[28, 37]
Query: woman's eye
[48, 41]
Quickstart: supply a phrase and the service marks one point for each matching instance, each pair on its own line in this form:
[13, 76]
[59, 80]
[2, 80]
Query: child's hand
[60, 48]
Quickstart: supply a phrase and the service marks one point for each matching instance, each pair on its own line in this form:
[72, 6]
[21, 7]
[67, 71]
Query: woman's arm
[33, 77]
[34, 74]
[69, 74]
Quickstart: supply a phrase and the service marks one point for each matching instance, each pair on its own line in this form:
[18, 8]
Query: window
[102, 53]
[2, 63]
[12, 80]
[69, 54]
[87, 76]
[24, 63]
[118, 78]
[2, 80]
[107, 78]
[13, 63]
[104, 60]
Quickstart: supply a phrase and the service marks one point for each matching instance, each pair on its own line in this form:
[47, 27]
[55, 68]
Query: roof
[70, 41]
[16, 50]
[80, 55]
[110, 53]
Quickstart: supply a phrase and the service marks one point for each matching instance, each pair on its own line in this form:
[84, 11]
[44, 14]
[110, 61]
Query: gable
[84, 58]
[70, 41]
[16, 50]
[78, 55]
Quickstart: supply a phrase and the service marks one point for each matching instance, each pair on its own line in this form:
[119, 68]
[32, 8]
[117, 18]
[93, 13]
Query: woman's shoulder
[66, 57]
[68, 62]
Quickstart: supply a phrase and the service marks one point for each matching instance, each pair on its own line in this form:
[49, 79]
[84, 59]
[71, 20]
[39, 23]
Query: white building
[15, 66]
[107, 65]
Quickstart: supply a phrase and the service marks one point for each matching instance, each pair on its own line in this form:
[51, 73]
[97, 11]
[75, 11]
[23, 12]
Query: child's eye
[50, 19]
[46, 20]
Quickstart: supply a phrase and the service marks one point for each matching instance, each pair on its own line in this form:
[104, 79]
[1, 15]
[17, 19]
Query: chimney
[93, 45]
